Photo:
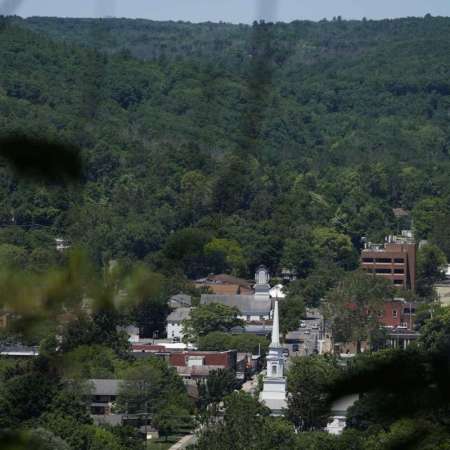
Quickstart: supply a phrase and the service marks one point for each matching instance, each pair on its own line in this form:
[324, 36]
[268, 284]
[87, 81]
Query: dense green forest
[215, 148]
[218, 147]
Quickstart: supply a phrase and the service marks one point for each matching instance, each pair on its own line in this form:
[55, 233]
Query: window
[383, 271]
[399, 260]
[384, 260]
[367, 260]
[399, 271]
[274, 370]
[394, 313]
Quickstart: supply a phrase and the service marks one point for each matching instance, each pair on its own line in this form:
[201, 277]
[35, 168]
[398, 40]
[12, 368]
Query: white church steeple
[273, 394]
[275, 328]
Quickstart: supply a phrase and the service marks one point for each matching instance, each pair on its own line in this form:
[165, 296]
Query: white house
[339, 413]
[132, 331]
[174, 326]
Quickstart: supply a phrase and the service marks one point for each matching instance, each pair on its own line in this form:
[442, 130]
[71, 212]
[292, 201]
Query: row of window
[384, 260]
[395, 271]
[405, 311]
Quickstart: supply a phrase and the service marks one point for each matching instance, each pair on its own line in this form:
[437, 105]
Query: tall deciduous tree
[309, 379]
[354, 307]
[292, 309]
[430, 263]
[208, 318]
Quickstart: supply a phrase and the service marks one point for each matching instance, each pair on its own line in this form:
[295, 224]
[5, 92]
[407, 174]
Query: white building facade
[174, 328]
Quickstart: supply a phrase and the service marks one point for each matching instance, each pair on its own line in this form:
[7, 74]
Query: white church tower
[262, 286]
[273, 394]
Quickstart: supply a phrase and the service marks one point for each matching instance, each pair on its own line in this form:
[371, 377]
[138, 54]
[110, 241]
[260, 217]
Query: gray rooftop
[179, 314]
[19, 350]
[105, 387]
[180, 300]
[247, 304]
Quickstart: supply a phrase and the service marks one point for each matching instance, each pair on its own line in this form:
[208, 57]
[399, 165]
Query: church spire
[275, 328]
[273, 394]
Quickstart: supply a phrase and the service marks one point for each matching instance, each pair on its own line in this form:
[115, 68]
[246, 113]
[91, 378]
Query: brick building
[394, 260]
[399, 313]
[195, 364]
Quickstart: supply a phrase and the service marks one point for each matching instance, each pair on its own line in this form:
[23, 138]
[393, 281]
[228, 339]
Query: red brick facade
[393, 261]
[225, 360]
[399, 313]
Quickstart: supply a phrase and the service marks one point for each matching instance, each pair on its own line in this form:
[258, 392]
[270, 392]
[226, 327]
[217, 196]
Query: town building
[174, 327]
[277, 291]
[397, 319]
[18, 351]
[273, 394]
[132, 331]
[339, 410]
[250, 308]
[195, 365]
[224, 284]
[104, 394]
[442, 288]
[398, 313]
[288, 274]
[395, 260]
[180, 301]
[255, 306]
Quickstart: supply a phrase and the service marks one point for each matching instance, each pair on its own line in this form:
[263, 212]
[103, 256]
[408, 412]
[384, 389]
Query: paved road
[310, 332]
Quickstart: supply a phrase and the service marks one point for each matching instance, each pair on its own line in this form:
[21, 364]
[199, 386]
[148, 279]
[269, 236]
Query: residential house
[180, 301]
[104, 394]
[174, 327]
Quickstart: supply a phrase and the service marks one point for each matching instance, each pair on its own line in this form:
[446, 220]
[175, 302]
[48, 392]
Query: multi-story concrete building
[394, 260]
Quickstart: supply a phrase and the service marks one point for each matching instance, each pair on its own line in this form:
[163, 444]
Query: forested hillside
[218, 147]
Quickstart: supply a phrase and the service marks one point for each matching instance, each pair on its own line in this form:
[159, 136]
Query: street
[305, 340]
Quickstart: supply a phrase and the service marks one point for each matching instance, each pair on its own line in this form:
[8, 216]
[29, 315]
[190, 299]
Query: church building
[273, 394]
[254, 307]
